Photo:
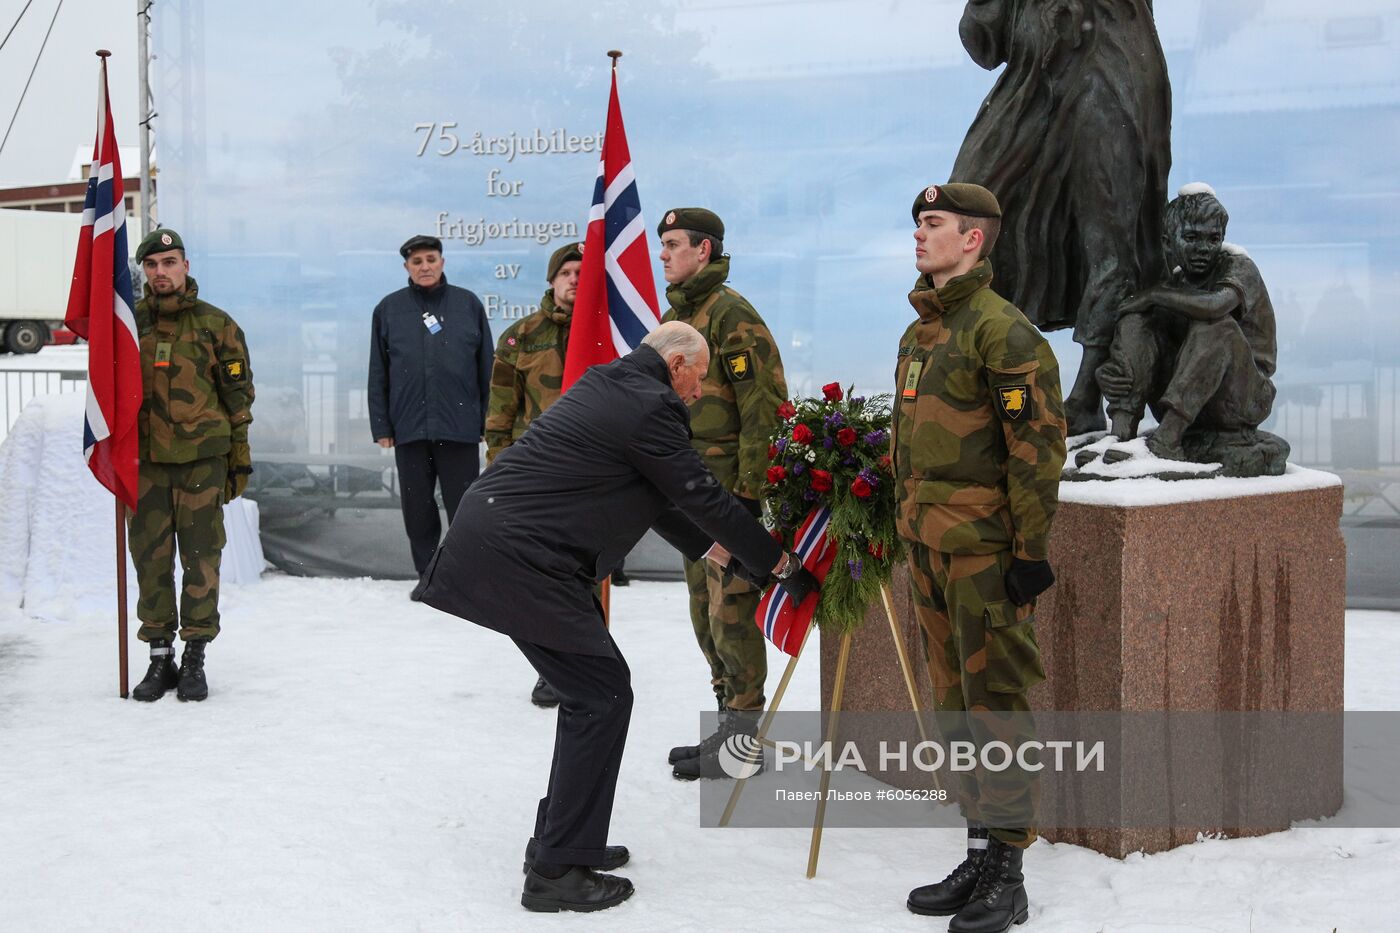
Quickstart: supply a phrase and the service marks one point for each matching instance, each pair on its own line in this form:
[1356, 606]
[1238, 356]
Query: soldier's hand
[1027, 579]
[801, 585]
[240, 467]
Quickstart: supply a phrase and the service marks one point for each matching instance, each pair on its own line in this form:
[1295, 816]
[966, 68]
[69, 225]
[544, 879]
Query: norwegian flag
[784, 624]
[100, 311]
[615, 306]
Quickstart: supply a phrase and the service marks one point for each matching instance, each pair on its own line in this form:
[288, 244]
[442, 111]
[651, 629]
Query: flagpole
[123, 676]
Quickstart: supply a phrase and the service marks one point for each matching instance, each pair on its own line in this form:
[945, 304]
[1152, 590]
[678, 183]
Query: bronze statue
[1198, 348]
[1075, 140]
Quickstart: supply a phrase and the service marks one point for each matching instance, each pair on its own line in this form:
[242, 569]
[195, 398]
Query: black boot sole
[930, 912]
[1016, 921]
[550, 905]
[673, 758]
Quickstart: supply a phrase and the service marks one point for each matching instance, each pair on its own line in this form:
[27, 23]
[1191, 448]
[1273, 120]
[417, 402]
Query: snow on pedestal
[57, 524]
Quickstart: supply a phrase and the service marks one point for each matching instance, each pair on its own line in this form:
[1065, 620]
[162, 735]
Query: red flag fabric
[615, 306]
[100, 310]
[783, 623]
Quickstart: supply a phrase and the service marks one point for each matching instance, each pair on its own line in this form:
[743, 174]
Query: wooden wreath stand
[814, 851]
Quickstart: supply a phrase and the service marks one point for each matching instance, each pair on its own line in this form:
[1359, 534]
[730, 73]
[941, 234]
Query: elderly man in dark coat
[553, 515]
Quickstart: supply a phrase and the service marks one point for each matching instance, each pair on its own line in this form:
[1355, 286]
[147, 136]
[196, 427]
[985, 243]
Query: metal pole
[143, 72]
[121, 596]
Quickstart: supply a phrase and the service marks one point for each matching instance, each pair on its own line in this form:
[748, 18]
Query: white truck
[36, 270]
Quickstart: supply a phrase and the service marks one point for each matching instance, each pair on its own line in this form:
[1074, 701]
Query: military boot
[736, 751]
[999, 900]
[952, 893]
[543, 695]
[707, 744]
[193, 686]
[161, 675]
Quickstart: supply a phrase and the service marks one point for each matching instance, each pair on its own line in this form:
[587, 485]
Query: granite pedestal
[1192, 597]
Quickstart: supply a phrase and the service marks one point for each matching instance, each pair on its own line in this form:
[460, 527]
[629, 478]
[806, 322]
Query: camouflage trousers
[729, 638]
[179, 504]
[982, 659]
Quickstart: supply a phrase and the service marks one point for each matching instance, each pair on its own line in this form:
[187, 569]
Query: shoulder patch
[739, 365]
[1013, 401]
[234, 371]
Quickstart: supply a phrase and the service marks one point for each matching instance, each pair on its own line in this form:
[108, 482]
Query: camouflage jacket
[737, 413]
[197, 385]
[528, 373]
[979, 436]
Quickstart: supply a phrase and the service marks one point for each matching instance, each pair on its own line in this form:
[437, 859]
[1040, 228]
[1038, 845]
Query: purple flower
[809, 496]
[848, 460]
[798, 469]
[877, 437]
[870, 476]
[834, 420]
[827, 443]
[858, 400]
[856, 568]
[781, 443]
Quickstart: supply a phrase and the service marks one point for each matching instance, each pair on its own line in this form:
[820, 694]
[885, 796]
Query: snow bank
[57, 524]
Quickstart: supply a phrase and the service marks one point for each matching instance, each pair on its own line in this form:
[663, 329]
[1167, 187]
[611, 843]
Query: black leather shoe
[999, 901]
[161, 676]
[193, 685]
[952, 893]
[543, 695]
[613, 856]
[581, 889]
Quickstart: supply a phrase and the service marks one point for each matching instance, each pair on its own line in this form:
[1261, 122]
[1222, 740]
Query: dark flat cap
[573, 252]
[957, 198]
[422, 241]
[692, 218]
[159, 241]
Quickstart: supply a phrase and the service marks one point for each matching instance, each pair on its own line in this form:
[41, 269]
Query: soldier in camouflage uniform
[528, 374]
[978, 448]
[732, 424]
[197, 405]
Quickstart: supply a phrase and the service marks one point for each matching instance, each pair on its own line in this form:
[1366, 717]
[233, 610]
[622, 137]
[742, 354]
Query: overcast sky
[60, 110]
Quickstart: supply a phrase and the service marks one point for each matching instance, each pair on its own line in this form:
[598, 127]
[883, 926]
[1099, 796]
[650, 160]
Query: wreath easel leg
[768, 717]
[888, 598]
[815, 851]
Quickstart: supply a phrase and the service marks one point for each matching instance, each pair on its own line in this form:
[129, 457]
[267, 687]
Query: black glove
[1027, 579]
[800, 585]
[753, 505]
[736, 568]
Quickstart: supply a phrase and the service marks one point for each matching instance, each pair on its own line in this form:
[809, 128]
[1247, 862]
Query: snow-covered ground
[365, 763]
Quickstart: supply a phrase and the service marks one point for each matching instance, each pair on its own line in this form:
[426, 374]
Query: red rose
[861, 488]
[776, 474]
[801, 434]
[786, 410]
[884, 462]
[846, 437]
[821, 481]
[876, 549]
[832, 391]
[772, 451]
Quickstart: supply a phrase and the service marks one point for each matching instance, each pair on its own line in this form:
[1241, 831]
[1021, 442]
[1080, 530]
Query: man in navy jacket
[429, 381]
[555, 513]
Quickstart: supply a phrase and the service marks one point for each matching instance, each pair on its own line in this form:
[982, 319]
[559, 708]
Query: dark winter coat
[425, 386]
[562, 506]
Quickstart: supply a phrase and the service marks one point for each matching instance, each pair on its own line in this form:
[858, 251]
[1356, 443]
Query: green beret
[159, 240]
[692, 218]
[573, 252]
[957, 198]
[419, 242]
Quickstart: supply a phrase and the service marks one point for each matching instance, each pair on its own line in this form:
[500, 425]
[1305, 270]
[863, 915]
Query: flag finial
[103, 53]
[614, 54]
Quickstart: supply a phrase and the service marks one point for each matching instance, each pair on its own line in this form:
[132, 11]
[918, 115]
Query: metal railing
[19, 386]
